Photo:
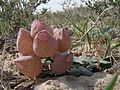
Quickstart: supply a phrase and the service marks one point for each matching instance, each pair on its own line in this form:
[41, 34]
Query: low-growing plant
[40, 43]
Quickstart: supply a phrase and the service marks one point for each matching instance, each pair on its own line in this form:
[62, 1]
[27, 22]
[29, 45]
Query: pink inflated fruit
[24, 42]
[62, 62]
[63, 38]
[38, 25]
[30, 66]
[44, 44]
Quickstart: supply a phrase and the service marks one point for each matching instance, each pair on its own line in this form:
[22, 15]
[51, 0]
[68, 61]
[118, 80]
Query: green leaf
[110, 59]
[76, 59]
[105, 64]
[85, 60]
[94, 60]
[111, 84]
[92, 67]
[76, 64]
[80, 71]
[81, 59]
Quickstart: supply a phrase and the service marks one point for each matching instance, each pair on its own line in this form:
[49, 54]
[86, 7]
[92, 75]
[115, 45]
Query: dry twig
[98, 18]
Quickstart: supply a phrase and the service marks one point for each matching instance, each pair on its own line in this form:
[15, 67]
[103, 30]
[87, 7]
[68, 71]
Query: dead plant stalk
[98, 18]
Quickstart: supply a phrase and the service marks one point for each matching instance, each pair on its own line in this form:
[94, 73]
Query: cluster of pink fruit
[43, 41]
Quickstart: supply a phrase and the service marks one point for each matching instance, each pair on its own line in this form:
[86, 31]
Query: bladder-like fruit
[63, 38]
[44, 44]
[30, 66]
[38, 25]
[62, 62]
[24, 42]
